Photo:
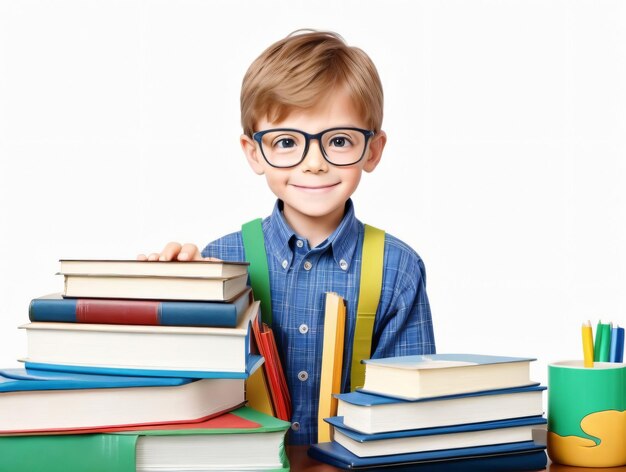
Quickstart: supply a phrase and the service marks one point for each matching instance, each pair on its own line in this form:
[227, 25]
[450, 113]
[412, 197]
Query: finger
[142, 257]
[154, 256]
[170, 251]
[189, 252]
[213, 259]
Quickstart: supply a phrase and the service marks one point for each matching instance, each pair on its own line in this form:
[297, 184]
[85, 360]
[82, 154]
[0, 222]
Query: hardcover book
[213, 445]
[515, 457]
[152, 268]
[139, 312]
[332, 358]
[415, 377]
[154, 287]
[37, 401]
[178, 351]
[433, 439]
[369, 413]
[273, 371]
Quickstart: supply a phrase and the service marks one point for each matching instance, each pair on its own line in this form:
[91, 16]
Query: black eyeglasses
[287, 147]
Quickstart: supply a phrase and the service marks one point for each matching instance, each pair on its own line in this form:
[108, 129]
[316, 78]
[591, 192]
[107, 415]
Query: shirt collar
[342, 242]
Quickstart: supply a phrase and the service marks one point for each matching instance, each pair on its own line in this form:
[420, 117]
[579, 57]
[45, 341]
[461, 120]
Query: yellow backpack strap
[369, 296]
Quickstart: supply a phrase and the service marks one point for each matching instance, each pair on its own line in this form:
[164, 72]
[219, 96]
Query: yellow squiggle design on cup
[608, 426]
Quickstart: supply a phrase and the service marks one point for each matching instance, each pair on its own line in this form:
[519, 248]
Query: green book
[243, 439]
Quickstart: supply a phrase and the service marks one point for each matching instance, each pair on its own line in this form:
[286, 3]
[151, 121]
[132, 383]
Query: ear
[377, 144]
[250, 149]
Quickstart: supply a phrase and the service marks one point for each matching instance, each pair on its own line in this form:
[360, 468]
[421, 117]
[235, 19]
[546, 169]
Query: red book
[139, 312]
[281, 400]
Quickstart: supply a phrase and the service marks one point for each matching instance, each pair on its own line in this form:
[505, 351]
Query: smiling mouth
[316, 188]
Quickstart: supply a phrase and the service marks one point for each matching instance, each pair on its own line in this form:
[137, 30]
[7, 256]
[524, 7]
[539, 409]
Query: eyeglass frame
[258, 137]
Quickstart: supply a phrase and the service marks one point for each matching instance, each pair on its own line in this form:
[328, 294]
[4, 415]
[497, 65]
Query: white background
[505, 166]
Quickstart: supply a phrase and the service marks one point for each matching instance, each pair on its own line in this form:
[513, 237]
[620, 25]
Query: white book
[369, 413]
[152, 268]
[415, 377]
[153, 287]
[38, 401]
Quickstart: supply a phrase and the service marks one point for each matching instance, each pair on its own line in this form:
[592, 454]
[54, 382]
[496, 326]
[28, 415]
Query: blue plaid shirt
[299, 278]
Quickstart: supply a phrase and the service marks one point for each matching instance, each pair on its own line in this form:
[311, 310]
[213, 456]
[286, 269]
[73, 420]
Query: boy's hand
[176, 252]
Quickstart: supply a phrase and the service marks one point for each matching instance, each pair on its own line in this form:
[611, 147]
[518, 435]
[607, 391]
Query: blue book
[432, 439]
[253, 362]
[20, 380]
[163, 351]
[34, 401]
[500, 458]
[139, 312]
[370, 413]
[436, 375]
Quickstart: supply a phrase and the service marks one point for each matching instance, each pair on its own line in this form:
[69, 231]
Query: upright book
[152, 268]
[139, 312]
[332, 358]
[415, 377]
[369, 413]
[273, 370]
[241, 440]
[37, 401]
[176, 351]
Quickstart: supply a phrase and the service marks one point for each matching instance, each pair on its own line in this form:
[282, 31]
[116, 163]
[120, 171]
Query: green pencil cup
[586, 414]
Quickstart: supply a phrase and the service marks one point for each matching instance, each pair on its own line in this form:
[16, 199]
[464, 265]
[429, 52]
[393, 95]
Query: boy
[311, 110]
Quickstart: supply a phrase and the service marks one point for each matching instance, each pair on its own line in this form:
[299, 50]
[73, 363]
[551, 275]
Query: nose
[314, 159]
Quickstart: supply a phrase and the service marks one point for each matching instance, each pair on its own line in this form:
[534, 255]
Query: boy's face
[315, 189]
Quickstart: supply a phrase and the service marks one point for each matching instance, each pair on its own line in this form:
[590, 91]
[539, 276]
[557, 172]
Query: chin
[319, 211]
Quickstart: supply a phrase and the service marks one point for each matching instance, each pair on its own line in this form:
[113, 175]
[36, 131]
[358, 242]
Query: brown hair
[298, 70]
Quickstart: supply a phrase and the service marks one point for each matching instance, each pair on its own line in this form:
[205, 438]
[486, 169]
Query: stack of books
[440, 412]
[140, 366]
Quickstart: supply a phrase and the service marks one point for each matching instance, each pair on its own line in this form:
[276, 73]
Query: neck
[315, 229]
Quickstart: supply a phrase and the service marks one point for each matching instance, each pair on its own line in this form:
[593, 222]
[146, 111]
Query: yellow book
[258, 393]
[332, 358]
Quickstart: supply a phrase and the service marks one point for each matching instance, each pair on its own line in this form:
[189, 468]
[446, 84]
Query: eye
[285, 143]
[340, 141]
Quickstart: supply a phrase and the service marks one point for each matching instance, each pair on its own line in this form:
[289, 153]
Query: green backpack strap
[254, 245]
[369, 296]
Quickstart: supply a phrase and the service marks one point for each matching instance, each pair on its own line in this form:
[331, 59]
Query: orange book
[332, 359]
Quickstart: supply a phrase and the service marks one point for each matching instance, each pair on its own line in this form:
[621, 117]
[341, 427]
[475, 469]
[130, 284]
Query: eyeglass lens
[285, 148]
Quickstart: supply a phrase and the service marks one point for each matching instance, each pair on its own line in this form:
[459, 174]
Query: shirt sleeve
[403, 323]
[227, 248]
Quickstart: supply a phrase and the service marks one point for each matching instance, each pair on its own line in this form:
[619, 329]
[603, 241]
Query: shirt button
[307, 265]
[303, 375]
[303, 328]
[285, 264]
[343, 264]
[295, 426]
[299, 243]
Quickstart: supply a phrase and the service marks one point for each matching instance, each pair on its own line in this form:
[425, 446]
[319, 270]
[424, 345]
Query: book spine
[133, 312]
